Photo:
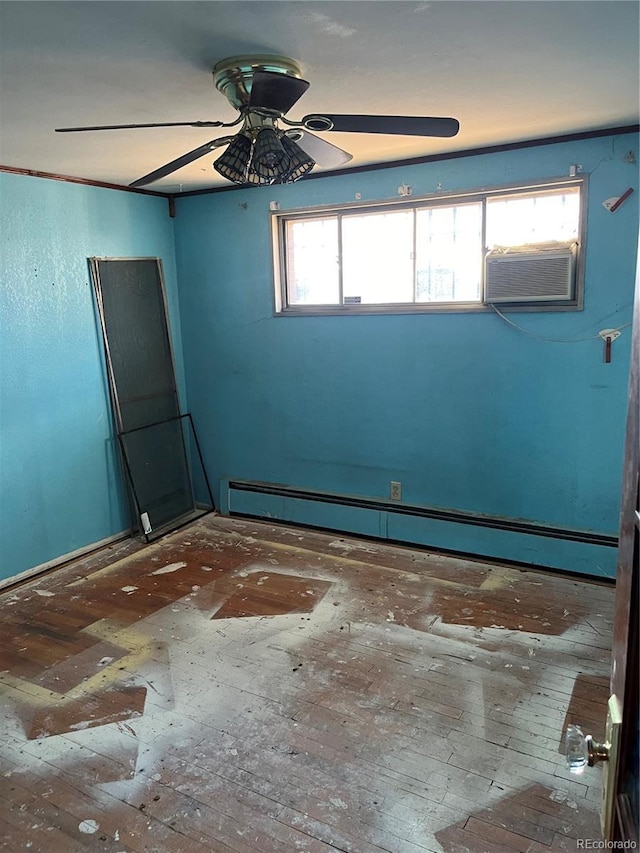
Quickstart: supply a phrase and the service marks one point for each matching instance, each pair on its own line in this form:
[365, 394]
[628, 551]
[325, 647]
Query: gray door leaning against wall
[131, 303]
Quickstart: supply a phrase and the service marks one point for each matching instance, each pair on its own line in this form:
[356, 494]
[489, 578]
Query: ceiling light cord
[554, 340]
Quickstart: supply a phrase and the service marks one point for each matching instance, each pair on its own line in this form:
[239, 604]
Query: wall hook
[612, 204]
[608, 336]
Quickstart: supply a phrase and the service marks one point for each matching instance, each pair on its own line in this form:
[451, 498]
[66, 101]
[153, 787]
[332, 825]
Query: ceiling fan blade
[397, 125]
[179, 162]
[129, 126]
[324, 153]
[274, 91]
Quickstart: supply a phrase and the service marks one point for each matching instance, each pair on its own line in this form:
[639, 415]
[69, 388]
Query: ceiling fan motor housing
[234, 76]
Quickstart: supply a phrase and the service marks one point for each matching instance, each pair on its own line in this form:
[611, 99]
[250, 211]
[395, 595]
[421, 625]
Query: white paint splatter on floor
[172, 567]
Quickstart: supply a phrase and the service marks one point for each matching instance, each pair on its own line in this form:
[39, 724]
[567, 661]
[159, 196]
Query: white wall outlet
[395, 490]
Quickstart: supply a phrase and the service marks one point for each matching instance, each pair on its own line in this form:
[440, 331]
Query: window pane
[449, 253]
[312, 262]
[377, 261]
[533, 218]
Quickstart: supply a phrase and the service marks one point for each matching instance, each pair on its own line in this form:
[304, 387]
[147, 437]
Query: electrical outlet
[395, 490]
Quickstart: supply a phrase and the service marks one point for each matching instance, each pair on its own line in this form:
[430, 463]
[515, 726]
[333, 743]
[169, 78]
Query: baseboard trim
[64, 558]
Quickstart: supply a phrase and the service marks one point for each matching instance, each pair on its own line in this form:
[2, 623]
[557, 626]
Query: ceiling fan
[269, 148]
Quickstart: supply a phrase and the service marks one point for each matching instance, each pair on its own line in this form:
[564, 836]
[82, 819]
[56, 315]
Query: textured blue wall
[61, 487]
[468, 413]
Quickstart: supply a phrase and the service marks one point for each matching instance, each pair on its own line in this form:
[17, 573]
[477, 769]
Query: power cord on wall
[554, 340]
[606, 159]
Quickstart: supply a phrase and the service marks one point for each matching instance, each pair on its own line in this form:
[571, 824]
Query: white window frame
[280, 218]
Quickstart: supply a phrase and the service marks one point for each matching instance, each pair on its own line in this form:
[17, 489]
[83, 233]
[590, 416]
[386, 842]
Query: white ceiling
[508, 71]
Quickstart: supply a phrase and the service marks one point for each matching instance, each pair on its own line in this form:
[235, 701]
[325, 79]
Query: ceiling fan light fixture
[270, 160]
[233, 163]
[255, 180]
[301, 162]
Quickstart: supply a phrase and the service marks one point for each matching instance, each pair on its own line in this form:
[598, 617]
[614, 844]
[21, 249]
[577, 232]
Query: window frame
[280, 218]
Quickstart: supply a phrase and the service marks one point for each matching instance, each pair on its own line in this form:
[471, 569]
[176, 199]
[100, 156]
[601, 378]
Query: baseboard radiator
[453, 531]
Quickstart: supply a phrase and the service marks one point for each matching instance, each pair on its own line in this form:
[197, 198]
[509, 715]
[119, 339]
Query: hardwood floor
[243, 687]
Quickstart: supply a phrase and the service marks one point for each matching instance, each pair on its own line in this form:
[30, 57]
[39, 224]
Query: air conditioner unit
[543, 275]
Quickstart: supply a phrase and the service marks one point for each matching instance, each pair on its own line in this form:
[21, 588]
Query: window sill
[432, 308]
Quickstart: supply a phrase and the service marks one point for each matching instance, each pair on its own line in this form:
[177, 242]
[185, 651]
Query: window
[449, 253]
[431, 253]
[533, 218]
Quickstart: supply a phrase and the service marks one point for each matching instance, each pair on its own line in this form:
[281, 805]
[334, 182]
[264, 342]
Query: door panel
[619, 751]
[624, 662]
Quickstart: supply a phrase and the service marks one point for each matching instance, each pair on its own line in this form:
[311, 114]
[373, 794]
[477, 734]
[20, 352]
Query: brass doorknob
[596, 751]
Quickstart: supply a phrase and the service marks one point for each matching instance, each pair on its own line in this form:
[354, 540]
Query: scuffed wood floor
[239, 686]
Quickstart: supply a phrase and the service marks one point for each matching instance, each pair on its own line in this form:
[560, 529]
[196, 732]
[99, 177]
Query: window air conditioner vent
[530, 276]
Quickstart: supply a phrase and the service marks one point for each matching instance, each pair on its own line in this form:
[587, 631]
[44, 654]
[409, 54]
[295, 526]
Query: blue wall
[468, 413]
[61, 488]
